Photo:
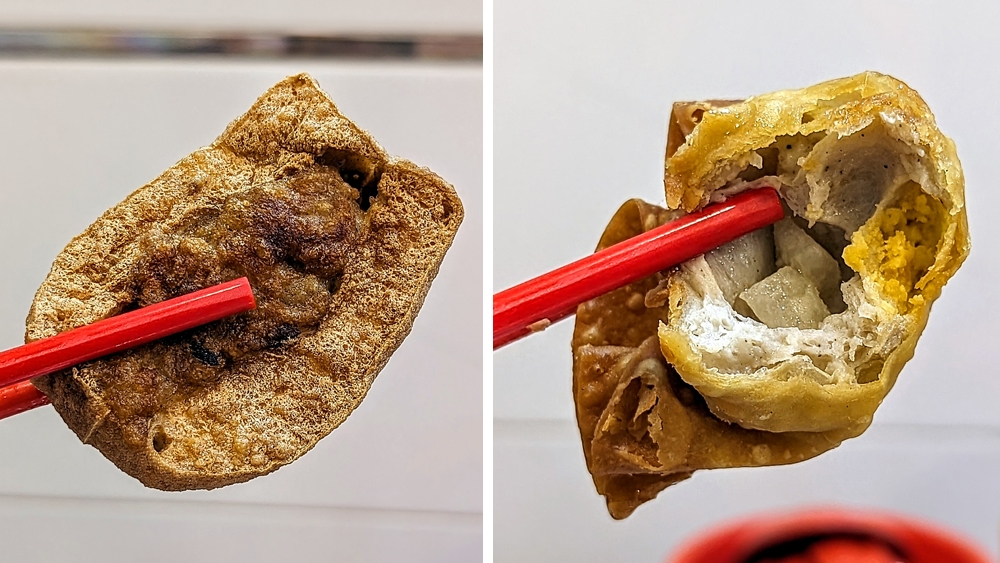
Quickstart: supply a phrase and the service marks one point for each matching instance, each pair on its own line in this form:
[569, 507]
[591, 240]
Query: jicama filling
[832, 282]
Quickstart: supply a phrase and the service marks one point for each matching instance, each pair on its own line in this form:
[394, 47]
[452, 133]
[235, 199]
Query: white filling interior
[833, 184]
[732, 343]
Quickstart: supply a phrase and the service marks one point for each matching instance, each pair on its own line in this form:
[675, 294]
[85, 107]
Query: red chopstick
[535, 304]
[111, 335]
[20, 397]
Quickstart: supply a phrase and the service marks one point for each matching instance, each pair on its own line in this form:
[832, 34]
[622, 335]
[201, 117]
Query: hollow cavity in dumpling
[893, 252]
[767, 327]
[833, 184]
[842, 179]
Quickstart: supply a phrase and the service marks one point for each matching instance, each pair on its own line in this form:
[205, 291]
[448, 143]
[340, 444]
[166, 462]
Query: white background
[582, 95]
[401, 479]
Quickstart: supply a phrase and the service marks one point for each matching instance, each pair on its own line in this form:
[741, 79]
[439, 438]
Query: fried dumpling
[340, 242]
[860, 158]
[781, 344]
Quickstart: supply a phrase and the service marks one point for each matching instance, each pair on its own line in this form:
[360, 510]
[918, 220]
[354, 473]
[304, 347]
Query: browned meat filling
[291, 238]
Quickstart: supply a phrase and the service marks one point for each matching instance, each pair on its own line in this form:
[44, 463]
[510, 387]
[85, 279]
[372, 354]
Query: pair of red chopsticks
[535, 304]
[115, 334]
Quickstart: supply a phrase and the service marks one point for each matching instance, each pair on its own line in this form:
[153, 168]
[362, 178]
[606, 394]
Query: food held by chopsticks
[124, 331]
[340, 242]
[533, 305]
[781, 344]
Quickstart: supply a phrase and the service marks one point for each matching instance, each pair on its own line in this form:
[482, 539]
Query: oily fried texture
[671, 376]
[642, 427]
[685, 116]
[726, 134]
[340, 243]
[861, 155]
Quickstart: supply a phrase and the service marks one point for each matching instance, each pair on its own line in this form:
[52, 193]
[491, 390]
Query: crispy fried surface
[862, 158]
[865, 157]
[340, 243]
[643, 428]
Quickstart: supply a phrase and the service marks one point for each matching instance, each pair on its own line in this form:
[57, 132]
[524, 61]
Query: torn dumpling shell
[775, 347]
[876, 225]
[642, 427]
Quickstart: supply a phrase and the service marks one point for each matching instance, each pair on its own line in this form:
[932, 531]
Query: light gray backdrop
[400, 480]
[582, 94]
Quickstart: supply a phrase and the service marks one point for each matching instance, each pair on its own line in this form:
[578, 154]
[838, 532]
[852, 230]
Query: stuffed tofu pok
[778, 346]
[340, 242]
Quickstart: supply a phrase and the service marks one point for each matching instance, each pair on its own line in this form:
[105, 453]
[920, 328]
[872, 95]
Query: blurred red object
[829, 536]
[851, 550]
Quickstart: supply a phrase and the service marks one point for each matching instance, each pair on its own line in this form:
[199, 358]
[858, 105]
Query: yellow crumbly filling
[898, 245]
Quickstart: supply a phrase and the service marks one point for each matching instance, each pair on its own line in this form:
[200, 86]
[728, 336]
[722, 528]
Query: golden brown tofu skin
[642, 427]
[340, 242]
[859, 157]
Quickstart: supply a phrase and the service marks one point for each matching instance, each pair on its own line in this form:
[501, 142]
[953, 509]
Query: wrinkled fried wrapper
[643, 428]
[647, 423]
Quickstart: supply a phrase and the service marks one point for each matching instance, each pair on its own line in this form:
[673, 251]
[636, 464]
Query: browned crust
[320, 379]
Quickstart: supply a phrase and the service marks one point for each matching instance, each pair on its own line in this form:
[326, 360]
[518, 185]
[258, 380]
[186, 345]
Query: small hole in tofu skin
[160, 439]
